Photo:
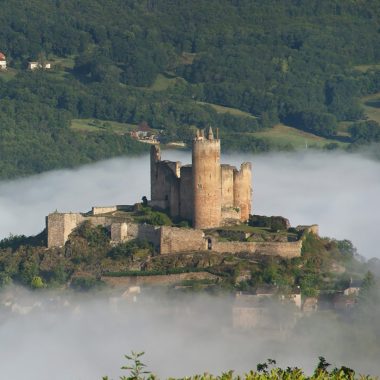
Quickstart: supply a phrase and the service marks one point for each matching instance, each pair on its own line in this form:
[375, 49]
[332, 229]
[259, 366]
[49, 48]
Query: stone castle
[207, 193]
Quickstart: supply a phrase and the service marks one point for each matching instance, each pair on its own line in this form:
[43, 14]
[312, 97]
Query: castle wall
[155, 158]
[103, 221]
[186, 193]
[243, 190]
[164, 180]
[119, 232]
[206, 182]
[227, 177]
[59, 227]
[144, 232]
[286, 250]
[174, 240]
[103, 210]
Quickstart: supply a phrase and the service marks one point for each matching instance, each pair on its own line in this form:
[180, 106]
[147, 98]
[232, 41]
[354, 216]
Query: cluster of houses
[261, 309]
[144, 133]
[32, 65]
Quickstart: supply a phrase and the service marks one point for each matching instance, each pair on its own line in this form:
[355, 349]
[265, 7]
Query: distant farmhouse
[3, 61]
[210, 195]
[33, 65]
[39, 65]
[144, 133]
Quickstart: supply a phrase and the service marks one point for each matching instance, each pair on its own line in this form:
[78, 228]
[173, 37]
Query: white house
[38, 65]
[3, 61]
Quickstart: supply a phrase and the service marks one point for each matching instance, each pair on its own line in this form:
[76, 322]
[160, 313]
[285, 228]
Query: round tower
[243, 190]
[206, 181]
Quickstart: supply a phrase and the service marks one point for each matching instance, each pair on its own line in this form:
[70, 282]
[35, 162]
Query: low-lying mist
[63, 337]
[338, 191]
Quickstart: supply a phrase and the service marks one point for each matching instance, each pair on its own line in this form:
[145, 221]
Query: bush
[95, 236]
[275, 223]
[129, 248]
[156, 218]
[37, 282]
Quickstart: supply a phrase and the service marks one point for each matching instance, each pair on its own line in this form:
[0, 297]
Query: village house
[353, 288]
[265, 309]
[3, 61]
[144, 133]
[39, 65]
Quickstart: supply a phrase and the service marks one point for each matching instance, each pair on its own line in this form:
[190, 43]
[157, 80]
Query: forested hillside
[172, 63]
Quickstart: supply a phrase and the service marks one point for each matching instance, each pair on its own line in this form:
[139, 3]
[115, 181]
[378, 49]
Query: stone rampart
[144, 232]
[119, 232]
[227, 177]
[286, 250]
[60, 225]
[174, 240]
[103, 210]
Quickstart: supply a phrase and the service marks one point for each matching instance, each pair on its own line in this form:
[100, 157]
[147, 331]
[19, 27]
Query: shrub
[37, 282]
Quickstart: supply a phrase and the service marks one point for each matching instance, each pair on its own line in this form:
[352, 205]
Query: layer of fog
[43, 336]
[338, 191]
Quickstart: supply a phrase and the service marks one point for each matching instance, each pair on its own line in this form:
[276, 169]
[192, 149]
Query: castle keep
[207, 193]
[212, 196]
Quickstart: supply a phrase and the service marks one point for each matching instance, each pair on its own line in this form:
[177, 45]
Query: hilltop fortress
[206, 193]
[215, 198]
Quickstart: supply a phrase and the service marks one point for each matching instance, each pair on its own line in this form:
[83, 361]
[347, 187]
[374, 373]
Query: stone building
[38, 65]
[207, 193]
[3, 61]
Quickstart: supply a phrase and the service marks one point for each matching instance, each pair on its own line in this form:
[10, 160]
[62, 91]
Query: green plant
[136, 368]
[37, 282]
[265, 371]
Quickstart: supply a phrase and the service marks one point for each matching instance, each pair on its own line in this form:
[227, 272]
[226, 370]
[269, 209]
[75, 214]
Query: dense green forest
[171, 63]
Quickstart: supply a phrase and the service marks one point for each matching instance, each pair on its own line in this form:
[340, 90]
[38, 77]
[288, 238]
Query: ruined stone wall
[60, 225]
[186, 193]
[103, 210]
[144, 232]
[165, 185]
[286, 250]
[119, 232]
[98, 220]
[155, 157]
[174, 201]
[227, 177]
[174, 240]
[206, 182]
[243, 190]
[164, 182]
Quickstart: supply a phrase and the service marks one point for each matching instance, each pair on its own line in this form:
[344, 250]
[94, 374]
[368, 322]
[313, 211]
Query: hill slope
[174, 64]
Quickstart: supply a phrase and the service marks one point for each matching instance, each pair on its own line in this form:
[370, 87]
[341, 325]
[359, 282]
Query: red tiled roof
[2, 56]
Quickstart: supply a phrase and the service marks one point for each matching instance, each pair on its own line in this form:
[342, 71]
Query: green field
[371, 105]
[8, 74]
[164, 81]
[283, 134]
[97, 125]
[365, 68]
[230, 110]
